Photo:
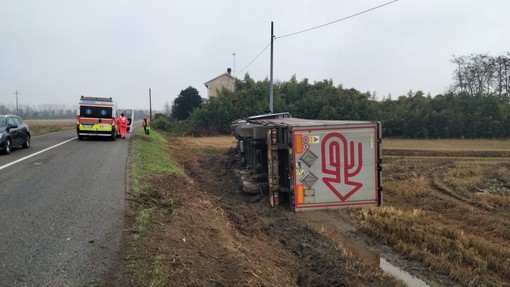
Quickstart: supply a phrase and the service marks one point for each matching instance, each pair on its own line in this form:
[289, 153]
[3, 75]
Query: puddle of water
[368, 255]
[398, 273]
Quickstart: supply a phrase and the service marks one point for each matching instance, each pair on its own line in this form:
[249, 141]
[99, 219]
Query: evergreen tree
[184, 104]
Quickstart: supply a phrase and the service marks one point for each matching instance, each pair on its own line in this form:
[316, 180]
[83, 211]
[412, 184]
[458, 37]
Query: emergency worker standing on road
[145, 124]
[122, 122]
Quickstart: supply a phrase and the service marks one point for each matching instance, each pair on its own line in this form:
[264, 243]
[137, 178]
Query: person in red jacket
[122, 123]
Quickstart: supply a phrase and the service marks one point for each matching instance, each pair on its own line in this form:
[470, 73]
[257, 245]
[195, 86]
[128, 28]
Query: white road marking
[34, 154]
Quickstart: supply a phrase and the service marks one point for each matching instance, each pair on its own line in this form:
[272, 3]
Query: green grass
[157, 272]
[150, 167]
[142, 220]
[149, 159]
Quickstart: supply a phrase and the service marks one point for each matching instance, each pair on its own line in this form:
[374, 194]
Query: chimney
[229, 71]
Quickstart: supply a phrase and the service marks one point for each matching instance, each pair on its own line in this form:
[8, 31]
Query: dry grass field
[447, 145]
[447, 205]
[39, 127]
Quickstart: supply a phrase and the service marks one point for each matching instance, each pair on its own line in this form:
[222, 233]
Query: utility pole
[150, 105]
[17, 110]
[234, 54]
[271, 73]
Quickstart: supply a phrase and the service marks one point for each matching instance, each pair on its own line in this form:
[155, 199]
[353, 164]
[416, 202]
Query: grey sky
[53, 51]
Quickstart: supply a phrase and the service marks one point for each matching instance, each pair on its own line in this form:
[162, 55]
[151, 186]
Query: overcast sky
[53, 51]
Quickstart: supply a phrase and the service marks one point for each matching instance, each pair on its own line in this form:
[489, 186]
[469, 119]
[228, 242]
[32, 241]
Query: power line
[313, 28]
[253, 59]
[342, 19]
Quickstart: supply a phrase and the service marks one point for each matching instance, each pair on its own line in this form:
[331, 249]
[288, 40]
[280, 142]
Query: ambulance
[96, 118]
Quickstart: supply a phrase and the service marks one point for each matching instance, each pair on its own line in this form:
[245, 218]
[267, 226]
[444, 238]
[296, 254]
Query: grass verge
[150, 168]
[149, 160]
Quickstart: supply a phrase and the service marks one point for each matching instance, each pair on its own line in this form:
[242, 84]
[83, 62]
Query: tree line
[53, 111]
[47, 111]
[477, 105]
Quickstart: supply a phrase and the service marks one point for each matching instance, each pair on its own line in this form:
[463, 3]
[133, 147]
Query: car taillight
[77, 120]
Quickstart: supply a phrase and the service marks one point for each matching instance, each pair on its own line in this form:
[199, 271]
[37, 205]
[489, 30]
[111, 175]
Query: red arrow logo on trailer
[335, 150]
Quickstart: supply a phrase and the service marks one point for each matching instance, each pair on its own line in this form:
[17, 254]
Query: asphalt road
[62, 210]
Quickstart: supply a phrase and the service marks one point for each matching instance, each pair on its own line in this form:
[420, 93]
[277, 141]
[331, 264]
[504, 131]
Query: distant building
[223, 81]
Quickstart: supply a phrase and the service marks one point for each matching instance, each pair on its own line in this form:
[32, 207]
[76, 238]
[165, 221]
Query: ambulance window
[105, 112]
[95, 112]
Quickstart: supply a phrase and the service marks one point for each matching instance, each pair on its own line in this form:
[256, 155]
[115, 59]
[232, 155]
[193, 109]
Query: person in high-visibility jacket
[146, 126]
[122, 123]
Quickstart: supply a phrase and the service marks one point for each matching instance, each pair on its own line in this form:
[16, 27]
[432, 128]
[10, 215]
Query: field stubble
[446, 208]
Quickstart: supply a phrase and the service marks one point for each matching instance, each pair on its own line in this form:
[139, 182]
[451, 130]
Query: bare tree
[459, 83]
[482, 74]
[502, 73]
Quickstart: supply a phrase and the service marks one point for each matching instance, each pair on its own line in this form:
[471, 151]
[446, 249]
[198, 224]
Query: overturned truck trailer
[310, 164]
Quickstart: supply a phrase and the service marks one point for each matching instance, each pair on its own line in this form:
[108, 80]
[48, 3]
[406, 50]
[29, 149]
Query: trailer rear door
[336, 166]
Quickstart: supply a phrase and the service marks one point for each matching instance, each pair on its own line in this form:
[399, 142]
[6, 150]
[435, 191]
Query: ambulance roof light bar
[96, 99]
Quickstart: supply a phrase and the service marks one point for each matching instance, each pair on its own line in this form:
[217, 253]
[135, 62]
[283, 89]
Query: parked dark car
[13, 133]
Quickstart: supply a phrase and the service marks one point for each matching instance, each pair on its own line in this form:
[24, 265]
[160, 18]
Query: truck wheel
[80, 137]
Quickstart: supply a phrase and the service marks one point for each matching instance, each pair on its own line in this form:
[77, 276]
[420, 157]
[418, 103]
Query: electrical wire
[342, 19]
[316, 27]
[254, 59]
